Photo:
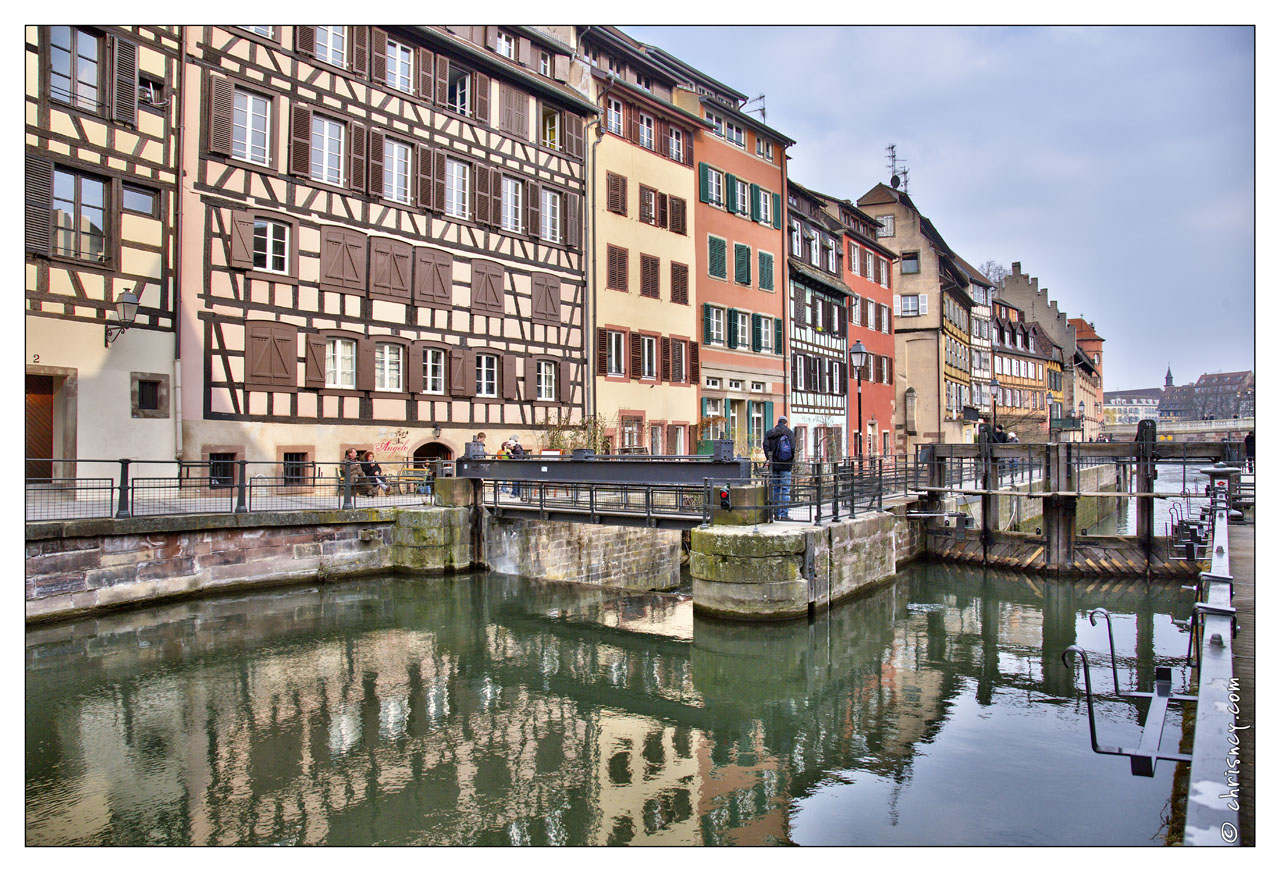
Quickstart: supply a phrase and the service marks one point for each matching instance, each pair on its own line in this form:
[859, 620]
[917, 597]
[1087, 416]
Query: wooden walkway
[1242, 573]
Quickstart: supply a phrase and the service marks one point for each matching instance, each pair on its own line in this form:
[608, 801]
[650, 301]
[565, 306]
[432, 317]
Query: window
[884, 273]
[717, 324]
[270, 245]
[675, 145]
[296, 467]
[222, 469]
[742, 197]
[79, 216]
[395, 170]
[910, 305]
[75, 68]
[138, 200]
[340, 364]
[796, 244]
[766, 207]
[327, 150]
[459, 90]
[744, 329]
[617, 268]
[884, 318]
[550, 215]
[886, 228]
[387, 367]
[735, 135]
[717, 124]
[910, 263]
[766, 335]
[148, 395]
[433, 370]
[331, 44]
[616, 358]
[614, 118]
[648, 205]
[486, 375]
[546, 380]
[870, 266]
[646, 128]
[550, 127]
[512, 204]
[742, 264]
[266, 30]
[717, 257]
[251, 128]
[457, 188]
[715, 187]
[815, 249]
[764, 148]
[648, 357]
[829, 248]
[506, 46]
[399, 66]
[544, 63]
[677, 360]
[766, 271]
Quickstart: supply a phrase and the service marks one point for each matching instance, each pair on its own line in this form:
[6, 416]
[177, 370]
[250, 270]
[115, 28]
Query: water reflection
[489, 710]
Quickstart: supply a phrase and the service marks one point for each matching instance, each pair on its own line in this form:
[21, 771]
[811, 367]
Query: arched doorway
[429, 451]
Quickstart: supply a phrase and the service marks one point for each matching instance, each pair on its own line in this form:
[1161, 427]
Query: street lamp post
[995, 392]
[1080, 418]
[857, 360]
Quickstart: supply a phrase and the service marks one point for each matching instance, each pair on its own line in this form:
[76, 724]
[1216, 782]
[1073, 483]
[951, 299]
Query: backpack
[784, 451]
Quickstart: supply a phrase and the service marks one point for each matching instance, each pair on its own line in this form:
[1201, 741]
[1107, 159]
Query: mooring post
[990, 482]
[1059, 511]
[1144, 483]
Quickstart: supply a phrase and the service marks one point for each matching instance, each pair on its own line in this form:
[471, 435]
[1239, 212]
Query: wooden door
[39, 426]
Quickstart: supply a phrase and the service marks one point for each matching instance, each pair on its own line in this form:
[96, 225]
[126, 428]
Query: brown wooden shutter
[482, 198]
[284, 357]
[510, 389]
[673, 430]
[560, 68]
[662, 210]
[313, 363]
[637, 356]
[442, 80]
[426, 77]
[221, 105]
[679, 283]
[39, 205]
[356, 245]
[416, 382]
[378, 60]
[650, 284]
[300, 140]
[432, 277]
[481, 83]
[889, 319]
[530, 379]
[647, 204]
[487, 287]
[616, 198]
[572, 222]
[602, 351]
[438, 182]
[505, 107]
[257, 354]
[889, 368]
[533, 209]
[665, 373]
[304, 39]
[461, 381]
[564, 389]
[359, 149]
[695, 373]
[524, 51]
[574, 141]
[377, 147]
[392, 267]
[360, 49]
[425, 167]
[546, 298]
[241, 253]
[495, 197]
[678, 219]
[797, 306]
[633, 123]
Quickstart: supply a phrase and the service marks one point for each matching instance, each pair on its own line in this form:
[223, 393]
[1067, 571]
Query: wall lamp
[126, 311]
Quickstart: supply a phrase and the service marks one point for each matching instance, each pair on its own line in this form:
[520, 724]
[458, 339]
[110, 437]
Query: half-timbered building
[819, 327]
[102, 141]
[382, 233]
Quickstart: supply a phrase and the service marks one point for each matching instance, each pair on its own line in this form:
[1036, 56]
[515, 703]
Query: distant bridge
[1232, 429]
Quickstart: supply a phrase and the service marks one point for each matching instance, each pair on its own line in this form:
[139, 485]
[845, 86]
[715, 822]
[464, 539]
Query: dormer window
[506, 45]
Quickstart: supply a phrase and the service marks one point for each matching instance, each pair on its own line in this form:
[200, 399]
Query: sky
[1115, 163]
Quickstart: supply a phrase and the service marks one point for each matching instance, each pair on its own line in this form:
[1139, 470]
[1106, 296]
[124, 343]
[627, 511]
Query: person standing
[780, 450]
[517, 451]
[1248, 451]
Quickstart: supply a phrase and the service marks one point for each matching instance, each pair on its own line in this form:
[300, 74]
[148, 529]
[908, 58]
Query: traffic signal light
[724, 498]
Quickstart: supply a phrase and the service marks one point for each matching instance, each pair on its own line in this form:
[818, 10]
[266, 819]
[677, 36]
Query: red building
[867, 270]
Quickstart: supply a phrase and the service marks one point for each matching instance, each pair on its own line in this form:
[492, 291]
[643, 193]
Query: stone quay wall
[639, 558]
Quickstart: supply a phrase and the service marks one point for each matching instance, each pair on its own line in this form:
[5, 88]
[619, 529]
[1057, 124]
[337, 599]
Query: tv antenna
[897, 170]
[759, 109]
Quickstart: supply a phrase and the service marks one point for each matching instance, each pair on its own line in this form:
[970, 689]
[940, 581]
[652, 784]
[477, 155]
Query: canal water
[490, 710]
[1186, 486]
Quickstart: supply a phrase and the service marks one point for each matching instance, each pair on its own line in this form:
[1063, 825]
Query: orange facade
[868, 272]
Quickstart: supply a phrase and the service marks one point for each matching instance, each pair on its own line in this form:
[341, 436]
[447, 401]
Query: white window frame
[506, 45]
[276, 233]
[248, 125]
[512, 204]
[459, 96]
[399, 66]
[742, 195]
[646, 131]
[550, 217]
[766, 334]
[715, 187]
[887, 228]
[396, 159]
[326, 165]
[735, 135]
[717, 325]
[854, 257]
[764, 148]
[331, 44]
[546, 375]
[833, 265]
[549, 129]
[884, 273]
[766, 207]
[388, 366]
[744, 329]
[797, 242]
[717, 124]
[457, 194]
[486, 375]
[267, 30]
[544, 63]
[614, 118]
[433, 371]
[910, 305]
[615, 353]
[340, 363]
[815, 249]
[648, 357]
[883, 315]
[675, 145]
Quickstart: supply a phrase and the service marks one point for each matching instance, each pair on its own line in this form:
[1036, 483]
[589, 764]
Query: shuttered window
[271, 245]
[679, 283]
[487, 288]
[388, 366]
[271, 356]
[678, 215]
[331, 44]
[545, 290]
[717, 265]
[650, 282]
[766, 271]
[617, 268]
[342, 260]
[76, 68]
[513, 111]
[250, 126]
[742, 263]
[552, 228]
[340, 363]
[328, 150]
[392, 265]
[616, 197]
[432, 278]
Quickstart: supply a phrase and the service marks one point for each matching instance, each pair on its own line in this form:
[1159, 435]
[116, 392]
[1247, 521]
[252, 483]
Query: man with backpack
[780, 451]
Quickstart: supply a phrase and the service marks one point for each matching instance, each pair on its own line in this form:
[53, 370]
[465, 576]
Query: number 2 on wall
[35, 358]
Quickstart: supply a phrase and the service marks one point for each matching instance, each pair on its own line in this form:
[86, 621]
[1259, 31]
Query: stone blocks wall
[640, 558]
[761, 573]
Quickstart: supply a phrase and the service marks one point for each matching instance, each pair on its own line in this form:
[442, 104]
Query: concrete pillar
[1059, 522]
[749, 506]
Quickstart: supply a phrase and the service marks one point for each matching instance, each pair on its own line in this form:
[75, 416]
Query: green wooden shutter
[757, 327]
[704, 412]
[731, 192]
[766, 271]
[755, 202]
[716, 257]
[704, 183]
[777, 211]
[742, 264]
[777, 336]
[768, 418]
[706, 322]
[732, 327]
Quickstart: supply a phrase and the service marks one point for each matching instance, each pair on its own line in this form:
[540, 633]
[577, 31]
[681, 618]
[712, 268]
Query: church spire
[1168, 377]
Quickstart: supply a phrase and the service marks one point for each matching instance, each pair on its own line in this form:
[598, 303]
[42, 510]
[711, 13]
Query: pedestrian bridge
[1226, 429]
